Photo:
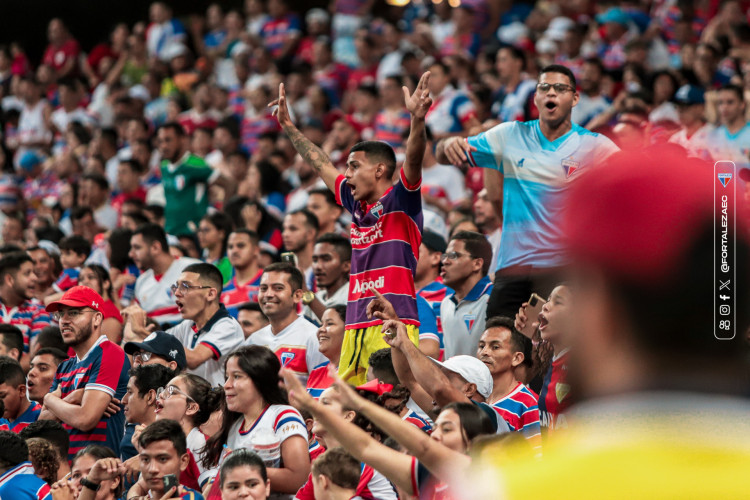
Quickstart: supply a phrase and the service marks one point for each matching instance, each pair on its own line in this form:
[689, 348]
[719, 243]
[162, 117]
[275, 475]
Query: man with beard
[529, 166]
[185, 178]
[88, 386]
[331, 262]
[17, 307]
[159, 270]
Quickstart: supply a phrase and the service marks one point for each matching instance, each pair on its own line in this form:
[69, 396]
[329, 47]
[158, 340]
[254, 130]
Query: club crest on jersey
[469, 320]
[179, 182]
[561, 390]
[724, 178]
[570, 166]
[377, 210]
[286, 358]
[77, 379]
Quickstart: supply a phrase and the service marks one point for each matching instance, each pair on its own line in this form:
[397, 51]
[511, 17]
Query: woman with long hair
[258, 413]
[97, 278]
[190, 400]
[213, 233]
[330, 338]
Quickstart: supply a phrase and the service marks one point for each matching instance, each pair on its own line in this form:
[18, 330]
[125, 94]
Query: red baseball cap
[78, 296]
[636, 215]
[376, 387]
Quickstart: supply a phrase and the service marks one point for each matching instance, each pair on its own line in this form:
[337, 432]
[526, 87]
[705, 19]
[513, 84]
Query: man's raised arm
[418, 105]
[313, 155]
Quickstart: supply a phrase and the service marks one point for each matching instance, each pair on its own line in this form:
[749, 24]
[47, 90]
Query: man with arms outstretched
[386, 226]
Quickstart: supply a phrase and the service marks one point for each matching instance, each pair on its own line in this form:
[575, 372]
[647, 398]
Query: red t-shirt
[56, 57]
[109, 310]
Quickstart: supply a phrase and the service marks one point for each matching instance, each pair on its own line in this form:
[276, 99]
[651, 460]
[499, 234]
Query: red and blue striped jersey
[319, 380]
[30, 317]
[315, 449]
[417, 421]
[104, 368]
[519, 409]
[385, 241]
[390, 127]
[234, 294]
[20, 483]
[434, 293]
[27, 417]
[555, 398]
[252, 127]
[276, 32]
[68, 279]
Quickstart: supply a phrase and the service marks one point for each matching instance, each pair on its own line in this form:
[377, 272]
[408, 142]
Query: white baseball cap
[472, 370]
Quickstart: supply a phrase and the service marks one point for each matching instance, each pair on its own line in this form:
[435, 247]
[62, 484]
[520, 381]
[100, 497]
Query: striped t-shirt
[385, 239]
[104, 368]
[521, 411]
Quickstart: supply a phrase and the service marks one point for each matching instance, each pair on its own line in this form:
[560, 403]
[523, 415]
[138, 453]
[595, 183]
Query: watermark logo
[725, 231]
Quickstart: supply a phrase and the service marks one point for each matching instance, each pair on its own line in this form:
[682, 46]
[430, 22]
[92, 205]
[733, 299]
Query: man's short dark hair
[151, 377]
[378, 152]
[731, 87]
[176, 127]
[50, 336]
[295, 275]
[516, 53]
[310, 220]
[559, 68]
[254, 238]
[382, 366]
[207, 272]
[251, 306]
[13, 451]
[78, 213]
[519, 341]
[12, 338]
[135, 166]
[477, 246]
[97, 179]
[12, 262]
[11, 372]
[230, 125]
[164, 430]
[78, 244]
[327, 194]
[151, 233]
[595, 61]
[52, 431]
[343, 246]
[58, 355]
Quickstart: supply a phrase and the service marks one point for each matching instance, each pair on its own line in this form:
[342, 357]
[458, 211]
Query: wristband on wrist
[90, 484]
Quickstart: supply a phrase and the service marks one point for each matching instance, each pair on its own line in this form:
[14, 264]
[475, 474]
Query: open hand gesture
[420, 101]
[282, 111]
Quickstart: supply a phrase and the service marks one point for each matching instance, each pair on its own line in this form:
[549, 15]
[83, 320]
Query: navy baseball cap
[162, 344]
[689, 94]
[434, 241]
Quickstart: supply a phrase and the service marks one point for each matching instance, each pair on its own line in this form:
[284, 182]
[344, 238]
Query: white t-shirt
[296, 346]
[155, 296]
[222, 335]
[196, 442]
[444, 181]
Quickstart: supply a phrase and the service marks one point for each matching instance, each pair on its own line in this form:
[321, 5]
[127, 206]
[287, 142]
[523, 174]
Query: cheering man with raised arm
[386, 226]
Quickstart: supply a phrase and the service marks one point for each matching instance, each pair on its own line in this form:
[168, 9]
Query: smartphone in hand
[170, 481]
[536, 303]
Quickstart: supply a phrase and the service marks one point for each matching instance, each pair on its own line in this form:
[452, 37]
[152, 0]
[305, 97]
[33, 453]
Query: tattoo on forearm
[312, 154]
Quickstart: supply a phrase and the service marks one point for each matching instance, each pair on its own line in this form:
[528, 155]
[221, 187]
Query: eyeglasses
[73, 314]
[169, 391]
[559, 87]
[185, 287]
[143, 355]
[452, 256]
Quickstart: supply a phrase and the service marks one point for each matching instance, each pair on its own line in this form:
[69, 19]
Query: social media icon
[724, 310]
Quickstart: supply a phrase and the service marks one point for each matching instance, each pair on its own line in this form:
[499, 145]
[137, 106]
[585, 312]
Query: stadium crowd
[259, 253]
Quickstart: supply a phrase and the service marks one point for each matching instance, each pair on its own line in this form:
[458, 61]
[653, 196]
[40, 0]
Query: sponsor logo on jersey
[361, 286]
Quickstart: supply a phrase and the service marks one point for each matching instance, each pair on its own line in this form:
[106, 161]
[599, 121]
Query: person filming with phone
[163, 458]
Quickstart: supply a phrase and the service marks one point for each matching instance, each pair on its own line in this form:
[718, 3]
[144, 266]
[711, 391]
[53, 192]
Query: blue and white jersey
[733, 147]
[536, 172]
[450, 110]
